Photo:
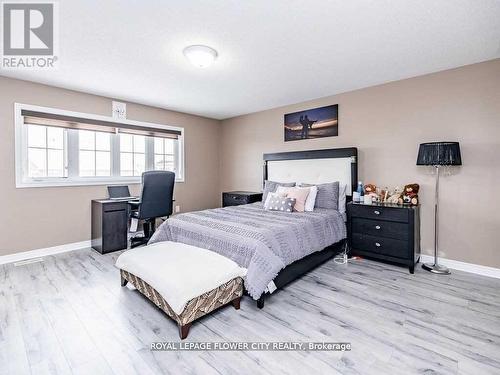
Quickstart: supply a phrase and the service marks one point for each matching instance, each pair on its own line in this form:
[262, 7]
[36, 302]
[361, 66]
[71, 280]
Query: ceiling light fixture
[200, 56]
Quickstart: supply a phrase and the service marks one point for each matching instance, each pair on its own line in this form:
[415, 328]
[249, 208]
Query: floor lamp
[438, 154]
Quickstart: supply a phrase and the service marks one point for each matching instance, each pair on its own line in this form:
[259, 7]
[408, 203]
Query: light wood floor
[69, 314]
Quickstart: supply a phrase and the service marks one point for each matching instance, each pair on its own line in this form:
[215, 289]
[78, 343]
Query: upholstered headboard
[314, 167]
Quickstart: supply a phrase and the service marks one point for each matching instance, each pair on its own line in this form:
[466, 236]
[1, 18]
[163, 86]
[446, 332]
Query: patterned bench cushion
[195, 308]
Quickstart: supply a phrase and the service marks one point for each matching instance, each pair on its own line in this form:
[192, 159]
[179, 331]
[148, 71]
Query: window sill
[79, 182]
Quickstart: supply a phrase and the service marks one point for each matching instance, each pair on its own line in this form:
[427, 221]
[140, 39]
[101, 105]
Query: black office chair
[156, 201]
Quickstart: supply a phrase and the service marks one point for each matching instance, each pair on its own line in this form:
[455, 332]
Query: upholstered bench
[184, 281]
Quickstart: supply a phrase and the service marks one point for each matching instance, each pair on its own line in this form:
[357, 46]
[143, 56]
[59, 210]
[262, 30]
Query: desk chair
[156, 201]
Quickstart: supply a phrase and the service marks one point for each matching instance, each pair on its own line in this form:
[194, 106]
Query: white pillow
[311, 197]
[342, 197]
[281, 190]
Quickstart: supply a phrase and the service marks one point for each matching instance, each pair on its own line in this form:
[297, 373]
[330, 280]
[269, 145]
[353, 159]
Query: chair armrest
[134, 205]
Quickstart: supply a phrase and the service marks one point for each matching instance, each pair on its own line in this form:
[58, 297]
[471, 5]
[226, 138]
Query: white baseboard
[38, 253]
[44, 252]
[462, 266]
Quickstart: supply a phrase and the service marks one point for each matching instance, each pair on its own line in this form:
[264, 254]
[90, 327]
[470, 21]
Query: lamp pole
[436, 268]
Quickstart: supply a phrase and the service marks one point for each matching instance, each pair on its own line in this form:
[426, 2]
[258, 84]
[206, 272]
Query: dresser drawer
[379, 213]
[380, 245]
[118, 206]
[379, 228]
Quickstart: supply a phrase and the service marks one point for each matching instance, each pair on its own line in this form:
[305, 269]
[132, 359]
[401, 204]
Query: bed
[274, 247]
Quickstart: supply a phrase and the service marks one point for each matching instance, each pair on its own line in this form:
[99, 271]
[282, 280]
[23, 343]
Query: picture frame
[311, 123]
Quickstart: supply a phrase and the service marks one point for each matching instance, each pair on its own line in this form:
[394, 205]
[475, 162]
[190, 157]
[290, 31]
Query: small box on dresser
[236, 198]
[385, 232]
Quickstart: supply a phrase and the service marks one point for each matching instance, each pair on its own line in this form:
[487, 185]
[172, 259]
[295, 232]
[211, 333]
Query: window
[45, 151]
[57, 148]
[132, 155]
[94, 153]
[164, 152]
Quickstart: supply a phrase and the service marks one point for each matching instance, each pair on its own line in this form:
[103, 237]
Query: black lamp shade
[439, 153]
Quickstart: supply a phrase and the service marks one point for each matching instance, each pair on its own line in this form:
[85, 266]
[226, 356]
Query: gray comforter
[262, 241]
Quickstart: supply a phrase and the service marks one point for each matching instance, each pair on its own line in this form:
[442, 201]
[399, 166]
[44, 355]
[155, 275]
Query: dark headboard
[350, 153]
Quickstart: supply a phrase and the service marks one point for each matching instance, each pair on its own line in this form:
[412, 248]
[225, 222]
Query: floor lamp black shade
[438, 154]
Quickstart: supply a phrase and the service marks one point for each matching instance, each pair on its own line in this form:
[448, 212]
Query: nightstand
[386, 232]
[235, 198]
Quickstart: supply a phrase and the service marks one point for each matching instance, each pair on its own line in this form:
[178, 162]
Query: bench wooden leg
[123, 281]
[260, 302]
[184, 330]
[236, 303]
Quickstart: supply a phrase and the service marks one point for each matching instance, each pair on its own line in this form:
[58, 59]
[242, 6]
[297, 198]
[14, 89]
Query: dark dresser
[235, 198]
[109, 225]
[385, 232]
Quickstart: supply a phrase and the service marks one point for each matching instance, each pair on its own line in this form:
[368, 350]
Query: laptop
[120, 193]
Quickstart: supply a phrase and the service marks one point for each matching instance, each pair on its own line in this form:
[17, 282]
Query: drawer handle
[377, 226]
[376, 212]
[377, 244]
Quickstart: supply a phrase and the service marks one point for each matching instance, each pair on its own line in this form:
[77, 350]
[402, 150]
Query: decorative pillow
[299, 194]
[311, 198]
[281, 204]
[328, 195]
[271, 186]
[270, 196]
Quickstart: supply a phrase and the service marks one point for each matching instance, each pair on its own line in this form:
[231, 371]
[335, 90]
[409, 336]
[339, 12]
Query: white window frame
[133, 153]
[25, 150]
[154, 153]
[95, 150]
[72, 179]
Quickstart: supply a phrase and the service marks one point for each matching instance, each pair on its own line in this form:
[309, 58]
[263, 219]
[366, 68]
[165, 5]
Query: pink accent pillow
[300, 196]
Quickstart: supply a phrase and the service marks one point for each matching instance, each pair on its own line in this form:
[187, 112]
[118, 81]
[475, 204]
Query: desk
[109, 227]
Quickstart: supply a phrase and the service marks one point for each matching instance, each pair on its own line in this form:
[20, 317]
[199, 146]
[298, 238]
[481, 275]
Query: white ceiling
[271, 53]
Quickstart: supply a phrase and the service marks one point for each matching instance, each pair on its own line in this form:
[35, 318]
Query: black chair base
[138, 241]
[149, 228]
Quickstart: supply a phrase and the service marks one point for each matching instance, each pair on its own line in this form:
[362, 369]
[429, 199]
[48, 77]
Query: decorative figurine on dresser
[384, 231]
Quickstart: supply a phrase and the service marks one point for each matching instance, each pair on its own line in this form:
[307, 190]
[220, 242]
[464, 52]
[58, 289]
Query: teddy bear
[395, 195]
[371, 190]
[410, 195]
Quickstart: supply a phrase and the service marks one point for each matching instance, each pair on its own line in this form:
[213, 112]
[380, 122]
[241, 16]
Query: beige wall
[387, 123]
[33, 218]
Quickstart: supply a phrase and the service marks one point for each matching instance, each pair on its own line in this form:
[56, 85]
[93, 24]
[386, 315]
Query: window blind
[81, 123]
